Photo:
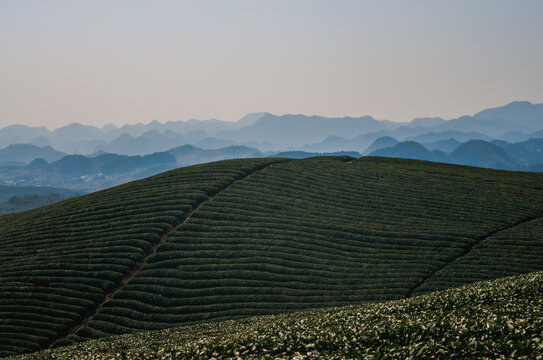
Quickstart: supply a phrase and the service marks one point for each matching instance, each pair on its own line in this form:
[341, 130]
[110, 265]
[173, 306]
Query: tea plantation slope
[60, 262]
[321, 232]
[513, 251]
[499, 319]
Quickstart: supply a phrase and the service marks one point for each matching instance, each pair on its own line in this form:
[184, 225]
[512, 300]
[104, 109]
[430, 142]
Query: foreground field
[500, 319]
[239, 238]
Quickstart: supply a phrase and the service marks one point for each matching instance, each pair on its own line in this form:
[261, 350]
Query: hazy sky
[99, 62]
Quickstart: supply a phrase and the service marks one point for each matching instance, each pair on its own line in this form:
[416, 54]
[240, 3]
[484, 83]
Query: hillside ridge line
[470, 247]
[139, 265]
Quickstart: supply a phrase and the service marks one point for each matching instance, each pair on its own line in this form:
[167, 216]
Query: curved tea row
[510, 252]
[60, 262]
[313, 233]
[245, 237]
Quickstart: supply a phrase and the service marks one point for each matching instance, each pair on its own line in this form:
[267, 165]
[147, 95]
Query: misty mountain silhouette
[514, 122]
[411, 150]
[25, 153]
[380, 143]
[483, 154]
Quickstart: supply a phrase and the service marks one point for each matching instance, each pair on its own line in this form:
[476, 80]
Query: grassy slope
[334, 233]
[265, 238]
[512, 251]
[60, 262]
[493, 319]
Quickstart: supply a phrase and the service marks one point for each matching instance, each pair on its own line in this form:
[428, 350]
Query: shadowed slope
[61, 261]
[499, 319]
[507, 267]
[515, 250]
[312, 233]
[268, 236]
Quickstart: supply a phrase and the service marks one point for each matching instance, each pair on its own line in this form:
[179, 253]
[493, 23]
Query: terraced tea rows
[513, 251]
[316, 232]
[251, 237]
[499, 319]
[60, 262]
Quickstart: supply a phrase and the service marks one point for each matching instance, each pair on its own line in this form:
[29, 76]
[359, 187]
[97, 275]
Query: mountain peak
[514, 111]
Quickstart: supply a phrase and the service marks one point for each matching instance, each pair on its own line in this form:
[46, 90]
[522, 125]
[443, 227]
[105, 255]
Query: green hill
[259, 236]
[500, 319]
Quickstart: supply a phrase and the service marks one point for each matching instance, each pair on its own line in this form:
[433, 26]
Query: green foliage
[263, 236]
[60, 262]
[513, 251]
[321, 232]
[500, 319]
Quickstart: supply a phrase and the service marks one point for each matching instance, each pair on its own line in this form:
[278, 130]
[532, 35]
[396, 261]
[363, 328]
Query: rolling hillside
[499, 319]
[259, 236]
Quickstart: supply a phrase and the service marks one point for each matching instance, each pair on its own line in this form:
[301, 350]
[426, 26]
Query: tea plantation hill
[249, 237]
[494, 319]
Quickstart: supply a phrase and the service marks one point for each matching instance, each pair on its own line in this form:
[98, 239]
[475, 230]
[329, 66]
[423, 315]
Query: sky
[129, 61]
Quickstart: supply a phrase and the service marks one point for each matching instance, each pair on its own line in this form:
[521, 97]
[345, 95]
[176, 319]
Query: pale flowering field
[500, 319]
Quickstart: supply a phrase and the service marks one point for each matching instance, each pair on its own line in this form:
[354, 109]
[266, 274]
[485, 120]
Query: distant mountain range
[514, 122]
[20, 198]
[104, 170]
[7, 192]
[25, 153]
[100, 171]
[138, 139]
[525, 155]
[507, 137]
